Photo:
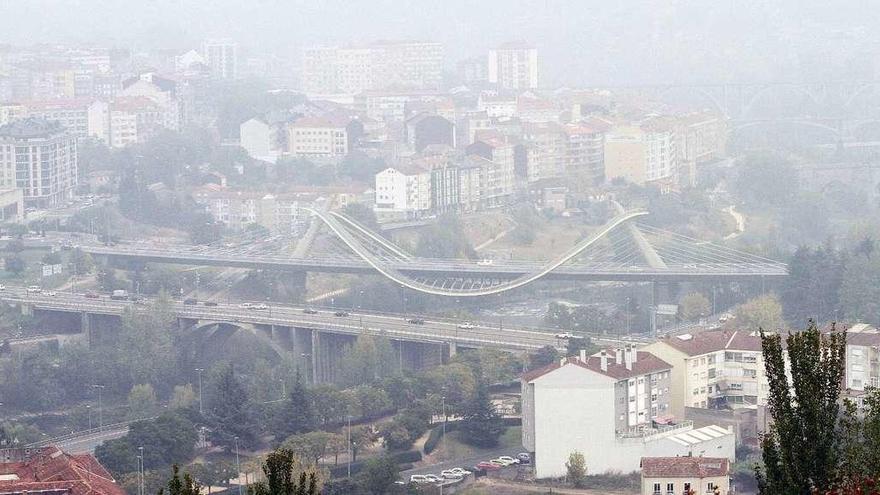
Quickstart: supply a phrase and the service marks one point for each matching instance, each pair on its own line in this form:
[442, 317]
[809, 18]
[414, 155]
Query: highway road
[87, 443]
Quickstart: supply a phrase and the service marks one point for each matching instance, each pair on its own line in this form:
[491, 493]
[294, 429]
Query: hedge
[436, 435]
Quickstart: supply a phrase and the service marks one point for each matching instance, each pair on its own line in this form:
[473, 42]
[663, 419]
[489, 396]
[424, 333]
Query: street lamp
[100, 409]
[88, 411]
[199, 371]
[443, 406]
[237, 466]
[142, 486]
[348, 418]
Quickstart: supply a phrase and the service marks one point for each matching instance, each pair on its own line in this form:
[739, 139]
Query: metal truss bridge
[620, 250]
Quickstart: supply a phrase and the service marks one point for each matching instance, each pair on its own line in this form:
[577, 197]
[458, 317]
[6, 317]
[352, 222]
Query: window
[657, 487]
[710, 487]
[711, 372]
[670, 487]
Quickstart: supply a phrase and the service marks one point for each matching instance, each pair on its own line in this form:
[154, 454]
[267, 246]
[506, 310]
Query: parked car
[433, 478]
[460, 471]
[509, 460]
[450, 475]
[341, 313]
[119, 295]
[209, 303]
[310, 311]
[488, 466]
[416, 321]
[52, 293]
[466, 326]
[524, 457]
[245, 305]
[190, 302]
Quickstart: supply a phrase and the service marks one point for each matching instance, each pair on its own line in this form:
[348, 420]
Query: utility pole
[348, 417]
[199, 371]
[100, 409]
[142, 485]
[443, 406]
[237, 466]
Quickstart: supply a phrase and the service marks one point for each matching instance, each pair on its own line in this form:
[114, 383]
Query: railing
[84, 433]
[649, 432]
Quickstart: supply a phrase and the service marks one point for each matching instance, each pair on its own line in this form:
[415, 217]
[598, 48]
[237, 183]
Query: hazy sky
[579, 40]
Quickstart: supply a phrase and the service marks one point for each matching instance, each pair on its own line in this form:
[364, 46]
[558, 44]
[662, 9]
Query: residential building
[280, 213]
[39, 157]
[262, 139]
[162, 92]
[379, 65]
[497, 170]
[11, 205]
[513, 66]
[319, 137]
[641, 153]
[585, 151]
[424, 129]
[221, 55]
[547, 148]
[614, 408]
[11, 111]
[714, 369]
[531, 108]
[862, 358]
[134, 119]
[403, 191]
[50, 471]
[473, 72]
[497, 107]
[700, 137]
[685, 475]
[83, 117]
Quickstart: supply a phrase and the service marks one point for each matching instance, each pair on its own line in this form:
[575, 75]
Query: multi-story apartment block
[473, 71]
[38, 157]
[641, 153]
[497, 107]
[221, 55]
[699, 137]
[403, 191]
[714, 369]
[547, 146]
[497, 170]
[862, 358]
[262, 139]
[318, 137]
[585, 150]
[83, 117]
[11, 111]
[385, 64]
[613, 408]
[282, 213]
[513, 66]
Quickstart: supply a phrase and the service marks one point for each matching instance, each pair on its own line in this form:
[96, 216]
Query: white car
[484, 262]
[260, 306]
[508, 459]
[565, 335]
[501, 461]
[34, 289]
[245, 305]
[467, 326]
[433, 478]
[2, 287]
[419, 479]
[459, 471]
[450, 474]
[52, 293]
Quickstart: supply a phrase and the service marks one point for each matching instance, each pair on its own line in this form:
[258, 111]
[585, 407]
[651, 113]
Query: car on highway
[451, 475]
[341, 313]
[416, 321]
[565, 335]
[92, 295]
[508, 460]
[51, 293]
[467, 326]
[260, 306]
[33, 289]
[524, 457]
[310, 311]
[210, 303]
[245, 305]
[2, 287]
[487, 466]
[190, 302]
[484, 262]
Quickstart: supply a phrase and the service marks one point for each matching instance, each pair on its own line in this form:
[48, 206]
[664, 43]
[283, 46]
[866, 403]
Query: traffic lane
[88, 443]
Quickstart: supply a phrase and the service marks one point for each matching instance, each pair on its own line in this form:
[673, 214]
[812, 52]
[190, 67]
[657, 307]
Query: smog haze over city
[427, 247]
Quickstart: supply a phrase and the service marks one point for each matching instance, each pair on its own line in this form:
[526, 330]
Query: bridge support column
[450, 349]
[86, 326]
[26, 309]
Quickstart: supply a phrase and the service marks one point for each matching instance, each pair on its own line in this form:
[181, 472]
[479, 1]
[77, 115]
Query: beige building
[640, 153]
[497, 170]
[513, 66]
[11, 111]
[700, 137]
[281, 213]
[318, 137]
[38, 157]
[546, 150]
[585, 150]
[685, 475]
[714, 369]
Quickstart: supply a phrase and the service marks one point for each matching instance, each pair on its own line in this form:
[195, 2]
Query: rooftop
[31, 127]
[50, 469]
[714, 340]
[645, 363]
[684, 467]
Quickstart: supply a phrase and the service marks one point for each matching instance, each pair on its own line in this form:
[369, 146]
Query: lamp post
[100, 409]
[237, 467]
[443, 406]
[199, 371]
[88, 411]
[142, 486]
[348, 418]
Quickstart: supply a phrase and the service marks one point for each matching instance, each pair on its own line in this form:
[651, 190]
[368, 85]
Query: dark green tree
[445, 239]
[379, 475]
[481, 424]
[298, 412]
[282, 478]
[801, 448]
[543, 356]
[178, 486]
[14, 264]
[228, 415]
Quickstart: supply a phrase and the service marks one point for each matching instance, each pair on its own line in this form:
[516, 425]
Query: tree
[543, 357]
[228, 411]
[574, 345]
[765, 179]
[801, 448]
[336, 445]
[183, 397]
[379, 475]
[14, 264]
[285, 476]
[142, 401]
[576, 469]
[860, 290]
[82, 262]
[311, 446]
[360, 436]
[559, 315]
[694, 305]
[185, 486]
[481, 424]
[298, 413]
[812, 288]
[445, 239]
[763, 312]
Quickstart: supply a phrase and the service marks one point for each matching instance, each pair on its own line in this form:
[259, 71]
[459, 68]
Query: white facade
[513, 67]
[39, 158]
[222, 57]
[259, 140]
[862, 357]
[573, 409]
[403, 191]
[317, 138]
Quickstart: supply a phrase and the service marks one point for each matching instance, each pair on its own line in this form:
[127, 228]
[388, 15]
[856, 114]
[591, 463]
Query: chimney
[562, 361]
[603, 361]
[635, 354]
[618, 355]
[627, 357]
[583, 355]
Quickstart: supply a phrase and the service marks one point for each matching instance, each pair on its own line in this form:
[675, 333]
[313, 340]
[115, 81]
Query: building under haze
[513, 66]
[38, 157]
[221, 55]
[49, 471]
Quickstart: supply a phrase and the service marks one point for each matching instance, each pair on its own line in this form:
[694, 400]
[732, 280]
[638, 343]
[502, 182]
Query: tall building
[39, 157]
[379, 65]
[221, 55]
[641, 153]
[319, 137]
[513, 66]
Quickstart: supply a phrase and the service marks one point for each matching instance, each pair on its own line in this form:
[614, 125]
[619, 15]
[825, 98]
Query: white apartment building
[282, 213]
[641, 154]
[585, 150]
[513, 66]
[38, 157]
[262, 140]
[403, 191]
[83, 117]
[497, 170]
[546, 150]
[715, 368]
[221, 55]
[318, 137]
[597, 400]
[352, 70]
[684, 475]
[862, 358]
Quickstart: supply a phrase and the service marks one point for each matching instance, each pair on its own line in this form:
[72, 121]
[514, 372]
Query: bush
[437, 434]
[408, 456]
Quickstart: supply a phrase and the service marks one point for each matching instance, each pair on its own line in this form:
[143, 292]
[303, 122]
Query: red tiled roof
[714, 340]
[684, 467]
[51, 469]
[645, 363]
[332, 121]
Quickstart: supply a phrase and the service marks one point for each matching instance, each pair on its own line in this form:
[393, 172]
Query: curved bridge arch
[395, 275]
[835, 132]
[790, 89]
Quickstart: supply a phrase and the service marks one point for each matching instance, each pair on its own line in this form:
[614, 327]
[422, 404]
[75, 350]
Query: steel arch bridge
[620, 249]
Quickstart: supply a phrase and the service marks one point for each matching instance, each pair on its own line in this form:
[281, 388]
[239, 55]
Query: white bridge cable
[709, 249]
